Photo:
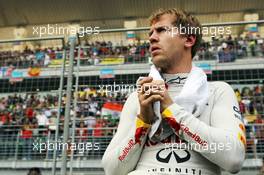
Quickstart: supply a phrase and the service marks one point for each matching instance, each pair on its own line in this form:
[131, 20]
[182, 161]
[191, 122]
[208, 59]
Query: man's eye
[150, 33]
[161, 29]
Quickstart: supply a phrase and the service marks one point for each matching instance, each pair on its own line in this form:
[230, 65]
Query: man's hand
[166, 101]
[150, 91]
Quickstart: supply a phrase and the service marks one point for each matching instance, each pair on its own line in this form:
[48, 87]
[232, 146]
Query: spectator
[34, 171]
[43, 121]
[82, 133]
[98, 128]
[27, 139]
[90, 122]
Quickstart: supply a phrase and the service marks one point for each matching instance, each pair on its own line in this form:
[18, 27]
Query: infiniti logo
[176, 80]
[166, 159]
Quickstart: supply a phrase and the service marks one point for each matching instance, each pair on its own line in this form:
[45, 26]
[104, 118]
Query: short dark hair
[181, 18]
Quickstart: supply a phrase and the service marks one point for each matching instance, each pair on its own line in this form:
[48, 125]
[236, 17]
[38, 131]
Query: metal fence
[39, 144]
[89, 143]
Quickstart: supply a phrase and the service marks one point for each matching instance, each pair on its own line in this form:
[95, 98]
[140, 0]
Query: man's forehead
[164, 20]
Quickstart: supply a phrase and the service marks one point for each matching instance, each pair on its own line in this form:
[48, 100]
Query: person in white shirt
[193, 137]
[43, 121]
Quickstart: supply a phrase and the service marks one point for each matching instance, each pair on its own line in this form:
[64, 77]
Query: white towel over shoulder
[193, 96]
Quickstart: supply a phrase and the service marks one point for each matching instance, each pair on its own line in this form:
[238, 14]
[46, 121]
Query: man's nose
[153, 37]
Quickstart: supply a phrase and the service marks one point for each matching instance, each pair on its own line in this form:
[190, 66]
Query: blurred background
[57, 86]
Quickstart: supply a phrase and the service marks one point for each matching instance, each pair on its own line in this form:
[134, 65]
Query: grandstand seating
[30, 118]
[220, 49]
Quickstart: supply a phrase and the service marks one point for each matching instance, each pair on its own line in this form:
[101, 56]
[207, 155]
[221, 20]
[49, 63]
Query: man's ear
[190, 40]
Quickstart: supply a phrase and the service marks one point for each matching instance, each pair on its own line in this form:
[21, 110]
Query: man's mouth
[155, 50]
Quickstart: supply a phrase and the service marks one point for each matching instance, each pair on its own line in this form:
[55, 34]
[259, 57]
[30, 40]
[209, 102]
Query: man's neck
[180, 69]
[183, 65]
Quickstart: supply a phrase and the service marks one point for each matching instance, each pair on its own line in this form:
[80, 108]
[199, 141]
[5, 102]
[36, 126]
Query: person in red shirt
[82, 136]
[5, 118]
[82, 133]
[98, 133]
[29, 112]
[5, 122]
[26, 136]
[98, 128]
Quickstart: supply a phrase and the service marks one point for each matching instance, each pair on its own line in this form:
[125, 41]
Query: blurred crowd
[29, 58]
[251, 100]
[34, 116]
[251, 104]
[221, 49]
[40, 111]
[91, 54]
[229, 49]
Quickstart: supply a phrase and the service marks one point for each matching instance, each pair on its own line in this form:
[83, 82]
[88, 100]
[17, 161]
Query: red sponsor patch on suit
[126, 150]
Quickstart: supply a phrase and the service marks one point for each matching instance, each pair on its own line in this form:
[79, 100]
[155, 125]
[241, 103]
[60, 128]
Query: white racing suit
[215, 139]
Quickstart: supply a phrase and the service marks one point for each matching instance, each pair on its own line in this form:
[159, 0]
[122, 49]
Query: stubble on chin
[162, 63]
